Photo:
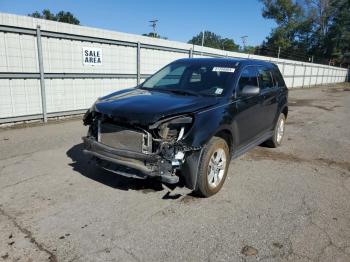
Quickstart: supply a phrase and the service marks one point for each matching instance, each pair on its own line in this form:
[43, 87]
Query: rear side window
[265, 78]
[277, 76]
[248, 78]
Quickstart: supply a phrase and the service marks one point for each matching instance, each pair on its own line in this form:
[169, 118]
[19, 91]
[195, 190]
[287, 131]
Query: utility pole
[202, 42]
[312, 59]
[154, 25]
[203, 38]
[279, 52]
[244, 41]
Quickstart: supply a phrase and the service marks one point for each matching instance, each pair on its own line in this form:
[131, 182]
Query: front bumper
[129, 163]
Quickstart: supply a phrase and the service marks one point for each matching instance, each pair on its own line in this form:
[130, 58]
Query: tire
[213, 169]
[278, 133]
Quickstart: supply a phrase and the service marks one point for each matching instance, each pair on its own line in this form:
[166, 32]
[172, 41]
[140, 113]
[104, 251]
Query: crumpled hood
[138, 106]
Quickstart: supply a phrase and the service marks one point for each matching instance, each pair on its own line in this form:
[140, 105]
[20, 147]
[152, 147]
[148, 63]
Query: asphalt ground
[285, 204]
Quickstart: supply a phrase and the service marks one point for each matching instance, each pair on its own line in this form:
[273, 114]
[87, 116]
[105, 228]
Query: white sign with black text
[92, 56]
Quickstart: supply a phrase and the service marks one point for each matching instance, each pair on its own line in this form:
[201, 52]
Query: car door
[248, 108]
[269, 94]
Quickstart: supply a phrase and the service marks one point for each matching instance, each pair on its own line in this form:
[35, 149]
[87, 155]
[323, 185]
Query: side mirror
[250, 91]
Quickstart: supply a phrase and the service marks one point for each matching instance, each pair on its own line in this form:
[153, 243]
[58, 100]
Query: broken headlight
[175, 129]
[90, 113]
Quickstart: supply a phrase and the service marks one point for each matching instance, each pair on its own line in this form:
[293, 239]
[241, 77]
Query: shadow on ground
[82, 164]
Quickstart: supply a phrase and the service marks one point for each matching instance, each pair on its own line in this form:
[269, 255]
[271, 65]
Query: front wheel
[278, 133]
[213, 167]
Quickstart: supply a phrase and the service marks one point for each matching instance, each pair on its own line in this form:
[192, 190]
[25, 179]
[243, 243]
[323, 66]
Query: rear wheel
[278, 133]
[213, 167]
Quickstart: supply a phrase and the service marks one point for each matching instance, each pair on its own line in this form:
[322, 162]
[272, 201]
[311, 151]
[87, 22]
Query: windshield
[192, 79]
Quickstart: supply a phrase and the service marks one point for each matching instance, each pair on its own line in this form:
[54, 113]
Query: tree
[305, 28]
[291, 24]
[62, 16]
[154, 35]
[229, 45]
[320, 10]
[338, 36]
[214, 41]
[284, 12]
[250, 49]
[67, 17]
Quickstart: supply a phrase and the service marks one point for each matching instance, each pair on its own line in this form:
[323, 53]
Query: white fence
[42, 70]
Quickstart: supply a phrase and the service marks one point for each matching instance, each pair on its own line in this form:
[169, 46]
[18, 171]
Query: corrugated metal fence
[42, 70]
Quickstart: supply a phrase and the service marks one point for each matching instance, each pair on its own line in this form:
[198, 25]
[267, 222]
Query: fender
[207, 123]
[189, 169]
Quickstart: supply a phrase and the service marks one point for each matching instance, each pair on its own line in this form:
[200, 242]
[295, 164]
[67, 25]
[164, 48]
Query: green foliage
[151, 34]
[284, 12]
[155, 35]
[250, 49]
[62, 16]
[67, 17]
[305, 28]
[338, 37]
[214, 41]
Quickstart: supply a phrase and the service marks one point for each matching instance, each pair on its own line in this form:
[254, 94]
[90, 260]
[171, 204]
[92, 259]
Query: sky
[179, 20]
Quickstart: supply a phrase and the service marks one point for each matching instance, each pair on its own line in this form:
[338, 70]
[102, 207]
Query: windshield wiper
[143, 88]
[177, 91]
[181, 92]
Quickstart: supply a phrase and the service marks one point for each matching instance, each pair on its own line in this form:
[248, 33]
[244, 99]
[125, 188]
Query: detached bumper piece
[129, 163]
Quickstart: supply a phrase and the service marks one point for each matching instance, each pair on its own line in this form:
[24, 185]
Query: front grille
[121, 138]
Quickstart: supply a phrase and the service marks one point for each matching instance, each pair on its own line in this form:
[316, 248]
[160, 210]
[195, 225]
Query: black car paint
[244, 118]
[244, 121]
[145, 107]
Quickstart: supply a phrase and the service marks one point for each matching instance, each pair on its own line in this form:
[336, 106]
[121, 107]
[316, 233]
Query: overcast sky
[178, 19]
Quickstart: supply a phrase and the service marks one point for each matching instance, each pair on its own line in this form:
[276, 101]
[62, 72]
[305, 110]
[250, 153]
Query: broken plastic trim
[173, 120]
[173, 129]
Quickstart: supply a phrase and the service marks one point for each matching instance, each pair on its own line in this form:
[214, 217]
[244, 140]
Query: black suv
[186, 122]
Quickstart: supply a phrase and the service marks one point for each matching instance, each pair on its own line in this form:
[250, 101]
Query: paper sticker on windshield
[218, 91]
[224, 69]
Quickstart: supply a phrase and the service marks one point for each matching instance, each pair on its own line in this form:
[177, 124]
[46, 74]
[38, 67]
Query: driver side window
[248, 78]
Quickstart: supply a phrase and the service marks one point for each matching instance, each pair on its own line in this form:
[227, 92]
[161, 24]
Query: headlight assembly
[89, 115]
[175, 129]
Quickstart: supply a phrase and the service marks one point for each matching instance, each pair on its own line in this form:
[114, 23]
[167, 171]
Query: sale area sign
[92, 56]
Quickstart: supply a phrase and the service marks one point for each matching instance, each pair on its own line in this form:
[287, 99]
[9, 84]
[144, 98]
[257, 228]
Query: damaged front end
[134, 150]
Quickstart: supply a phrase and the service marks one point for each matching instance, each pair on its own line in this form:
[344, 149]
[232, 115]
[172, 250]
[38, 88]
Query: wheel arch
[285, 111]
[282, 110]
[227, 135]
[191, 165]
